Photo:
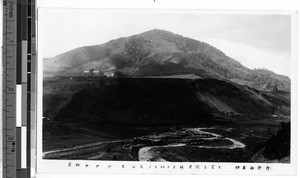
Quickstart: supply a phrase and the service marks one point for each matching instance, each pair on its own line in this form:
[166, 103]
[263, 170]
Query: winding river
[149, 147]
[148, 153]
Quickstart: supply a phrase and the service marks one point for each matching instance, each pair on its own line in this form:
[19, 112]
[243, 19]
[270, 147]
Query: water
[151, 147]
[184, 138]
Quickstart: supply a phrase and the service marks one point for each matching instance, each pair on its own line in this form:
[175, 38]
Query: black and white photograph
[165, 86]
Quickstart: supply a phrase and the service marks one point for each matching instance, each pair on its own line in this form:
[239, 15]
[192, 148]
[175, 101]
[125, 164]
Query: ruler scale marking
[9, 169]
[18, 98]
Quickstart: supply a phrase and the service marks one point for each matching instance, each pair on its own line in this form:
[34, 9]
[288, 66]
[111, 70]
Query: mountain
[162, 53]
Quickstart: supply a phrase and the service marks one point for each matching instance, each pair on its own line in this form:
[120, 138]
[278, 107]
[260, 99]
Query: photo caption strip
[124, 167]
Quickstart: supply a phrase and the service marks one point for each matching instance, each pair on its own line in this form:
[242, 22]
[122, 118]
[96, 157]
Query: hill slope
[156, 100]
[167, 50]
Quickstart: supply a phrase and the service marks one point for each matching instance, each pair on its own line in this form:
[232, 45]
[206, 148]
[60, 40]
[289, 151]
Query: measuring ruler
[18, 87]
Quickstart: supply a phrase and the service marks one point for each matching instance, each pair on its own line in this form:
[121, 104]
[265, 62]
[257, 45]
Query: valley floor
[226, 143]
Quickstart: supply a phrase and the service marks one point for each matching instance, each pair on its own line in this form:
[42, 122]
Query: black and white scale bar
[21, 92]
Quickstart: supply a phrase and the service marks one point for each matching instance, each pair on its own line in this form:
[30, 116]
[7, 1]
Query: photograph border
[112, 167]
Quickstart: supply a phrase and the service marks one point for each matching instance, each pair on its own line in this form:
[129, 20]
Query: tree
[136, 49]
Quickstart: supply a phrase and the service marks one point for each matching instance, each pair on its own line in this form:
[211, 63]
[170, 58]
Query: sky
[255, 40]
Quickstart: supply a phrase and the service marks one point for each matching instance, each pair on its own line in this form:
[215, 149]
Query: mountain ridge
[164, 48]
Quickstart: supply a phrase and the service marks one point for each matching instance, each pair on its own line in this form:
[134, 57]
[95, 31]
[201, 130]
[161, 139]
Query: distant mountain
[161, 53]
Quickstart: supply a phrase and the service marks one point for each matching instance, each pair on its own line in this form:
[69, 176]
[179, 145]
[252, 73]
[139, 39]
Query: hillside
[277, 148]
[165, 50]
[156, 100]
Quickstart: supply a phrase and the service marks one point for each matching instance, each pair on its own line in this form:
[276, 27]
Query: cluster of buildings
[103, 73]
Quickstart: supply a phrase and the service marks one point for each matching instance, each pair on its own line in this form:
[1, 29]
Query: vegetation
[136, 49]
[120, 61]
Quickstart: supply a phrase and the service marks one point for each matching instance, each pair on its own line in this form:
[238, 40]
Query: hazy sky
[257, 41]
